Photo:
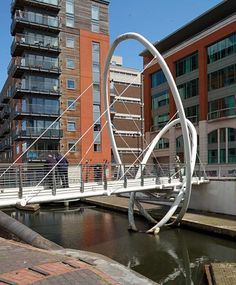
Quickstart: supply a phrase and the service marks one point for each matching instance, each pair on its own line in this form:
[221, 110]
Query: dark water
[173, 257]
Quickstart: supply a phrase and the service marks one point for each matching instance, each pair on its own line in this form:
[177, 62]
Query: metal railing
[18, 62]
[36, 109]
[35, 86]
[221, 113]
[36, 41]
[35, 132]
[50, 2]
[35, 18]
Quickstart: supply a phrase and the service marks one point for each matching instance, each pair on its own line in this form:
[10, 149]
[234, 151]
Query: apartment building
[202, 58]
[58, 51]
[127, 110]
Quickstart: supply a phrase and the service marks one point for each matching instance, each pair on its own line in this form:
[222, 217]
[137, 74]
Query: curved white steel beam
[174, 90]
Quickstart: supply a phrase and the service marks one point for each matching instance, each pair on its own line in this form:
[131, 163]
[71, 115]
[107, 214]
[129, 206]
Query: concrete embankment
[224, 225]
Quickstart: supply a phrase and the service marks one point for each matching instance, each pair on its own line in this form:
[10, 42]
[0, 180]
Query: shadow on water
[174, 257]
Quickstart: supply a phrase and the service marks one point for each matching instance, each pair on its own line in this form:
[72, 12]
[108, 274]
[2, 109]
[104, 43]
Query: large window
[70, 10]
[187, 64]
[222, 78]
[157, 78]
[222, 107]
[192, 113]
[160, 120]
[222, 146]
[222, 48]
[95, 18]
[160, 99]
[188, 89]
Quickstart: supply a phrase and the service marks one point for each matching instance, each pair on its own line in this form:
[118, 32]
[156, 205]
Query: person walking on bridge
[62, 167]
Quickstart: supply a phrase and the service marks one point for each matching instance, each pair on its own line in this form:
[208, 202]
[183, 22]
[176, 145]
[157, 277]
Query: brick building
[58, 51]
[202, 58]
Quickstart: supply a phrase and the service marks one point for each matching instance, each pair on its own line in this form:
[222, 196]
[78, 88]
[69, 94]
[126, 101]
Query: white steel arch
[189, 158]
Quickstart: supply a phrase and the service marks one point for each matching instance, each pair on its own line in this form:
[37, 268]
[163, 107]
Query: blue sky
[154, 21]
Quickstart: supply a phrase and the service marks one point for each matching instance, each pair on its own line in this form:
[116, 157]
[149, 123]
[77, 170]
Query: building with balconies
[127, 110]
[202, 58]
[58, 50]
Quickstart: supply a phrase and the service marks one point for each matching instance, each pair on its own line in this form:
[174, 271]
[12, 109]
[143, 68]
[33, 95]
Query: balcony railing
[5, 128]
[36, 132]
[37, 155]
[48, 4]
[222, 113]
[5, 113]
[36, 109]
[34, 87]
[19, 64]
[40, 20]
[21, 41]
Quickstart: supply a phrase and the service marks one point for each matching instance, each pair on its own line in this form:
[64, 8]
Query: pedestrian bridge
[22, 182]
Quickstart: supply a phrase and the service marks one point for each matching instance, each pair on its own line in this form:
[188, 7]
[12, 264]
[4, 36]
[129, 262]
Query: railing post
[105, 176]
[125, 179]
[81, 179]
[180, 174]
[142, 177]
[157, 176]
[54, 190]
[199, 171]
[20, 193]
[169, 176]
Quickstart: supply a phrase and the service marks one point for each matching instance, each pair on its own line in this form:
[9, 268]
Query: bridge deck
[10, 196]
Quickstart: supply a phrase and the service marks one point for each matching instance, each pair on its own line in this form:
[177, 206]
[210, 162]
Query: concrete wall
[218, 196]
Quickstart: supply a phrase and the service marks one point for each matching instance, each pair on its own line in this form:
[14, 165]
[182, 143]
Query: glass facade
[222, 48]
[222, 78]
[189, 89]
[187, 64]
[157, 78]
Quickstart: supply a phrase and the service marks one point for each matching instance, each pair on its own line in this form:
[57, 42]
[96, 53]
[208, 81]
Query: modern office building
[127, 111]
[202, 58]
[58, 51]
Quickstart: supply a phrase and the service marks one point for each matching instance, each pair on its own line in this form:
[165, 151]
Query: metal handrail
[221, 113]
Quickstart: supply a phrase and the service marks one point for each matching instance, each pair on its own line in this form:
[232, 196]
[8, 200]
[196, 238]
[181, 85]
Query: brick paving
[21, 264]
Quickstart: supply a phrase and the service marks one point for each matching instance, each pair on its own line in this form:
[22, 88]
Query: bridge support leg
[132, 225]
[20, 193]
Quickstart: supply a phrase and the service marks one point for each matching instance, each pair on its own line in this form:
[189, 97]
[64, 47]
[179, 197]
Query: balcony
[222, 113]
[19, 65]
[38, 42]
[33, 110]
[33, 133]
[37, 155]
[5, 113]
[50, 5]
[5, 129]
[23, 19]
[34, 88]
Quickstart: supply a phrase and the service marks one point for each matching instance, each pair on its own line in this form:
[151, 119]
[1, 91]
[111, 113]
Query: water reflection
[174, 257]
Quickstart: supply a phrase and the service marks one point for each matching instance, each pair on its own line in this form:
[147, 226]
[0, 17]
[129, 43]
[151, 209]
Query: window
[70, 104]
[70, 63]
[17, 149]
[222, 48]
[187, 64]
[95, 18]
[70, 21]
[188, 89]
[160, 99]
[71, 126]
[222, 107]
[222, 78]
[71, 146]
[70, 42]
[70, 84]
[70, 6]
[157, 78]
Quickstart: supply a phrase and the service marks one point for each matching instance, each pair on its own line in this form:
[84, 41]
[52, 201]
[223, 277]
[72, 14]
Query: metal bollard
[81, 179]
[54, 189]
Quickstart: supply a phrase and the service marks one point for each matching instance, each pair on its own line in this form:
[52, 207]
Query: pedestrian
[50, 163]
[62, 167]
[178, 173]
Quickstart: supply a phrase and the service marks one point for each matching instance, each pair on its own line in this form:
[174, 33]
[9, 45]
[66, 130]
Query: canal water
[174, 257]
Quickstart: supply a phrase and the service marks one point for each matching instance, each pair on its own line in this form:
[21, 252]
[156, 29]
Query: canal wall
[218, 196]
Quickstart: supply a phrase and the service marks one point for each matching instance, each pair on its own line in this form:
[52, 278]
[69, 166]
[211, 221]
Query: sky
[153, 19]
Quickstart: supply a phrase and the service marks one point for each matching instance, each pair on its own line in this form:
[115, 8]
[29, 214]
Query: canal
[175, 256]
